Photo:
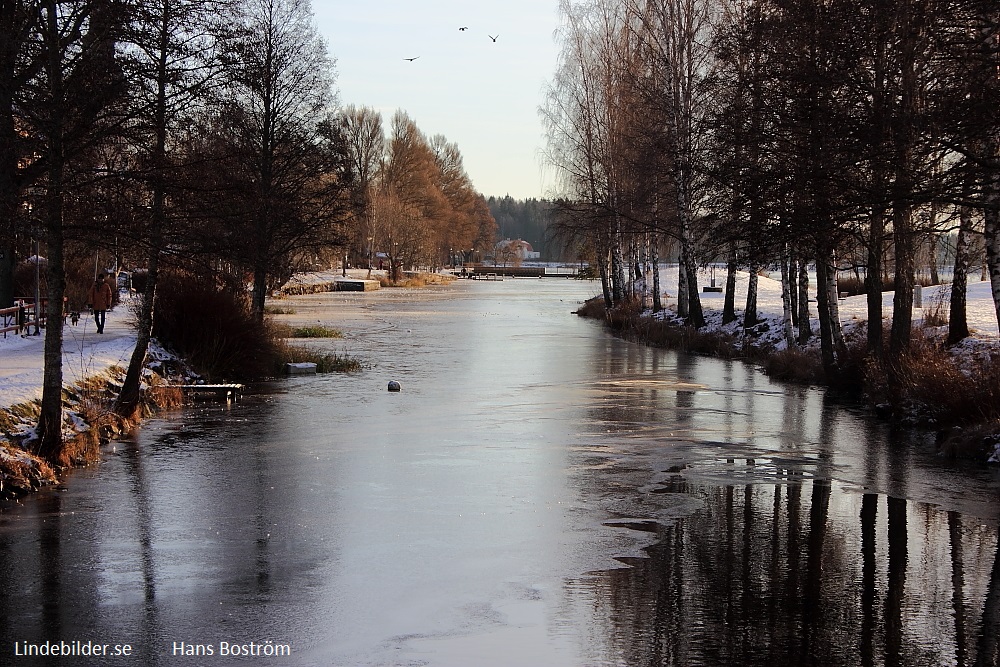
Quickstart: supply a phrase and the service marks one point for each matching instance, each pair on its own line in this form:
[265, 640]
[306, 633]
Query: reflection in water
[719, 589]
[538, 493]
[989, 642]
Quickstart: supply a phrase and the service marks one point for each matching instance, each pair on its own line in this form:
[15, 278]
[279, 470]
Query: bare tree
[20, 61]
[366, 141]
[172, 57]
[76, 46]
[279, 100]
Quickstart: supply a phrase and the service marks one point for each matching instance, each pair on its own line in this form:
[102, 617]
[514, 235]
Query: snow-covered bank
[93, 368]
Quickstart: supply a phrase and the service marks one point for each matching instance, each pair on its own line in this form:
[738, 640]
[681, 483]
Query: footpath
[85, 353]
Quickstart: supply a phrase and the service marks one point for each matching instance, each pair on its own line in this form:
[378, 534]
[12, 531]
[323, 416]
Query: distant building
[515, 250]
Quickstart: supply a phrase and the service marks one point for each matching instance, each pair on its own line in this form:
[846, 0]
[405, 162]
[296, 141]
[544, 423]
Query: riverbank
[93, 370]
[949, 389]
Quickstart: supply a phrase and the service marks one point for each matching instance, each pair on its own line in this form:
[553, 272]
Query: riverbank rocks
[393, 385]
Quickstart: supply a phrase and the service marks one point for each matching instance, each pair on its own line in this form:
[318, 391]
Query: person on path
[99, 299]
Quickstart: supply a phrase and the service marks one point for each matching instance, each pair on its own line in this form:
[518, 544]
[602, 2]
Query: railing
[11, 319]
[24, 315]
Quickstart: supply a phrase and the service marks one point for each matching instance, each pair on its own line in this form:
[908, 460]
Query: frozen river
[539, 493]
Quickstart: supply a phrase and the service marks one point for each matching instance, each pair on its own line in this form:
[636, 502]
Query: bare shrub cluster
[930, 385]
[212, 328]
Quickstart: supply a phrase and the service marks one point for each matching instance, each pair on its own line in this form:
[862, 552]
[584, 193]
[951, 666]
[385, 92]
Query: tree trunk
[602, 267]
[750, 310]
[617, 262]
[902, 300]
[696, 317]
[793, 289]
[8, 260]
[786, 301]
[805, 327]
[958, 323]
[909, 24]
[991, 237]
[50, 419]
[683, 294]
[823, 307]
[836, 329]
[873, 282]
[128, 398]
[932, 251]
[729, 302]
[9, 195]
[654, 260]
[259, 292]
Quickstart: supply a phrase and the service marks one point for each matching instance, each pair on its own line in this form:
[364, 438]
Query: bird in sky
[411, 59]
[492, 37]
[464, 28]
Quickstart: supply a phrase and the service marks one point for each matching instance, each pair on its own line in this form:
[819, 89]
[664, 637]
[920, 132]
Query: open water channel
[539, 493]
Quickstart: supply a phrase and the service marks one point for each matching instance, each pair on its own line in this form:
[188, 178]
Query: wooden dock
[355, 285]
[219, 392]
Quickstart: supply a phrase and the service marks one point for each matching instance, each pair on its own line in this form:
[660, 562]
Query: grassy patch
[316, 331]
[418, 280]
[278, 310]
[326, 362]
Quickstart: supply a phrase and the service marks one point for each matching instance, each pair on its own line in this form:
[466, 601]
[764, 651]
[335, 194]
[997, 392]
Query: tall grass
[326, 362]
[931, 386]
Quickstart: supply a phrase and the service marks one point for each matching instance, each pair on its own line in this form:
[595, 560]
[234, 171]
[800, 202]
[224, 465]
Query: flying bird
[463, 28]
[492, 37]
[411, 59]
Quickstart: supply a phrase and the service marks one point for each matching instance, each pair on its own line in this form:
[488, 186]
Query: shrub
[795, 365]
[977, 442]
[410, 279]
[624, 315]
[593, 308]
[212, 328]
[929, 385]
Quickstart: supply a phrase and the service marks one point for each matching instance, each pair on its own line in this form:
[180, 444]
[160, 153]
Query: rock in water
[393, 385]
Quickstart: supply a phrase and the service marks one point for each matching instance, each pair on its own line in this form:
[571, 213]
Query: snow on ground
[980, 312]
[85, 354]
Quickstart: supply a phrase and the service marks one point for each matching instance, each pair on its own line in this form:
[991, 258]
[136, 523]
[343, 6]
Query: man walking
[99, 299]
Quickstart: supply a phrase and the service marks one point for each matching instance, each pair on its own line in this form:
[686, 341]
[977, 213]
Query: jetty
[355, 285]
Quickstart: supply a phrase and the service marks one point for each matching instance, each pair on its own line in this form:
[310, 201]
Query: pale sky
[481, 95]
